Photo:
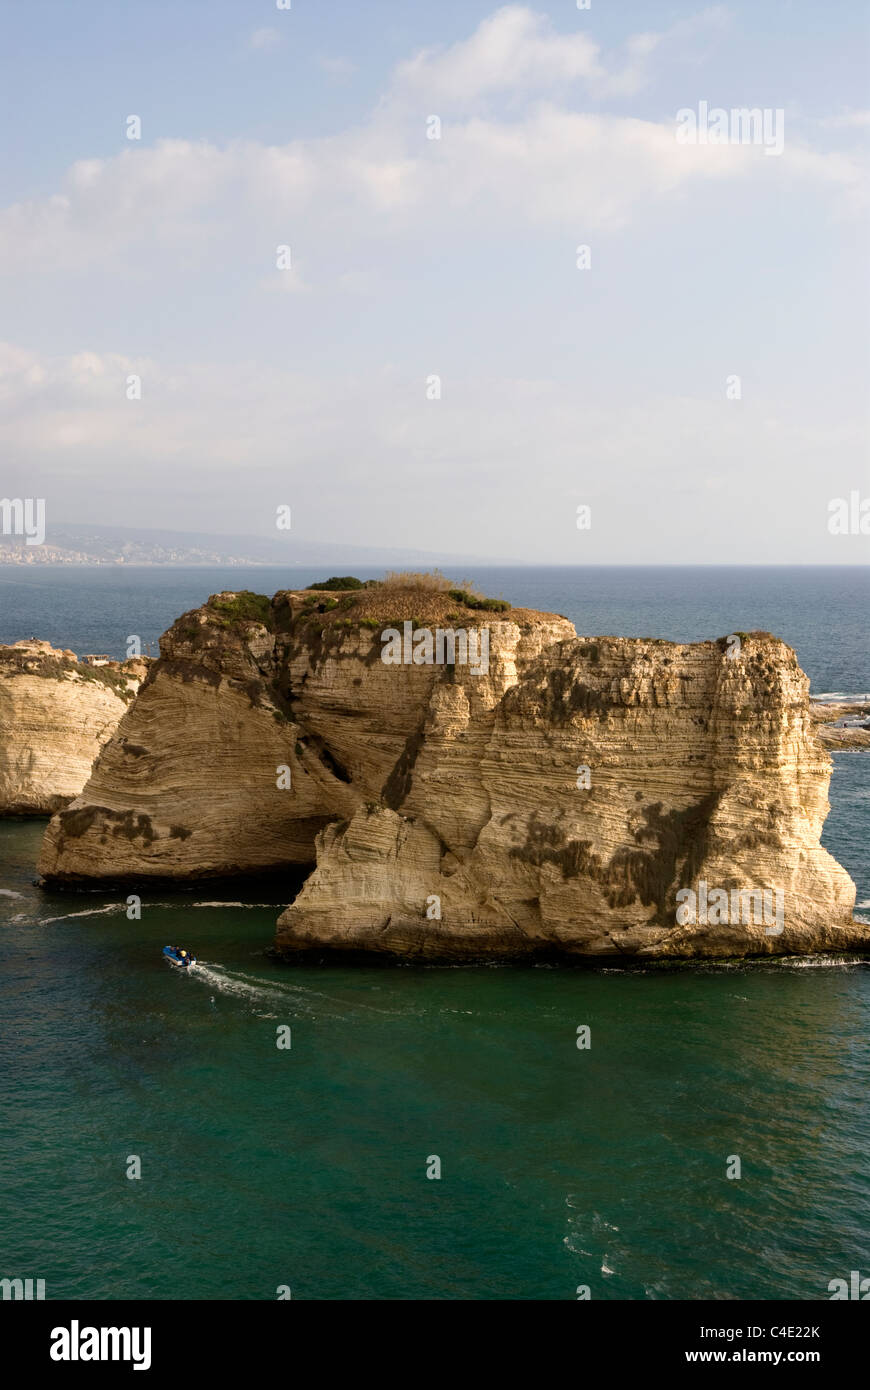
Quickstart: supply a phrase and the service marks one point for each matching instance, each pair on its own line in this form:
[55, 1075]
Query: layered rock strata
[702, 769]
[261, 724]
[55, 715]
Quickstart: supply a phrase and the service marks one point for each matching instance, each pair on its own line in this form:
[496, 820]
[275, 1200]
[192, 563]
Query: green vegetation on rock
[244, 607]
[470, 600]
[348, 581]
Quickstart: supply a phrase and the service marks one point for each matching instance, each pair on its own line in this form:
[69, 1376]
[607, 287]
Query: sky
[429, 366]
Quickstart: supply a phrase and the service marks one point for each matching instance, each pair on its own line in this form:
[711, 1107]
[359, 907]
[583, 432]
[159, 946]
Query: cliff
[191, 786]
[572, 796]
[55, 715]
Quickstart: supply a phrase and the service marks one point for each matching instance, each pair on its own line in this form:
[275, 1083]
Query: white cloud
[264, 38]
[518, 52]
[181, 203]
[190, 203]
[512, 49]
[179, 237]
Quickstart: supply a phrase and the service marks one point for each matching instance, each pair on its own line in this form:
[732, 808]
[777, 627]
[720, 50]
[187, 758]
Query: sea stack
[56, 712]
[565, 801]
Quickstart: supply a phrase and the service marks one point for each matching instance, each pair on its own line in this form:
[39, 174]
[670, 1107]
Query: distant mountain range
[130, 545]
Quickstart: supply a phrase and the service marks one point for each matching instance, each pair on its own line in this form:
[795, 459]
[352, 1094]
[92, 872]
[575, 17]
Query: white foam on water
[219, 979]
[92, 912]
[266, 994]
[276, 906]
[286, 995]
[571, 1244]
[838, 697]
[819, 963]
[122, 907]
[8, 893]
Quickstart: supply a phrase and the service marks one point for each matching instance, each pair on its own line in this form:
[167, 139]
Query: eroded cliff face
[702, 770]
[561, 800]
[55, 715]
[261, 724]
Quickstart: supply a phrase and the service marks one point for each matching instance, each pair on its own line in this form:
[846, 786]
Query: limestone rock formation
[702, 769]
[566, 796]
[55, 714]
[261, 723]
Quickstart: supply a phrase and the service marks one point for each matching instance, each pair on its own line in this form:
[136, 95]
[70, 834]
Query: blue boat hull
[169, 953]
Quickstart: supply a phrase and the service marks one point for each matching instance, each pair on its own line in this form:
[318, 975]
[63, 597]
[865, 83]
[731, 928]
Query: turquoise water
[307, 1167]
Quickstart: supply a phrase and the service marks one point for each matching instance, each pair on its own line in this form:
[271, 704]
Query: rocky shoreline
[843, 726]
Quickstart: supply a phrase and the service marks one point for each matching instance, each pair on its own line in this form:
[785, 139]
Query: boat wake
[283, 997]
[268, 998]
[239, 986]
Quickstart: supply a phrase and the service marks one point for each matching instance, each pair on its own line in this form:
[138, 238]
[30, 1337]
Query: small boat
[176, 955]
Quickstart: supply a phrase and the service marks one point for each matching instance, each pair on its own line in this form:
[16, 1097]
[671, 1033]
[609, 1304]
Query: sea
[428, 1133]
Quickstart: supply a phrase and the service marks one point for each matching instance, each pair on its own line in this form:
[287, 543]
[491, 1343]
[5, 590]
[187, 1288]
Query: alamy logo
[102, 1344]
[446, 647]
[857, 1289]
[740, 126]
[739, 907]
[22, 1288]
[23, 516]
[849, 517]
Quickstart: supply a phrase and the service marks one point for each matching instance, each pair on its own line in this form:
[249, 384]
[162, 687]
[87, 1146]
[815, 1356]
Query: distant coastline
[51, 558]
[96, 545]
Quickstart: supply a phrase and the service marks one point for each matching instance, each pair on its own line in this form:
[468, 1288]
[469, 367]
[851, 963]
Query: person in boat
[185, 958]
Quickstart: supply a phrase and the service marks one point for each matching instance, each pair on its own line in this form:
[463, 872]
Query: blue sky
[455, 257]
